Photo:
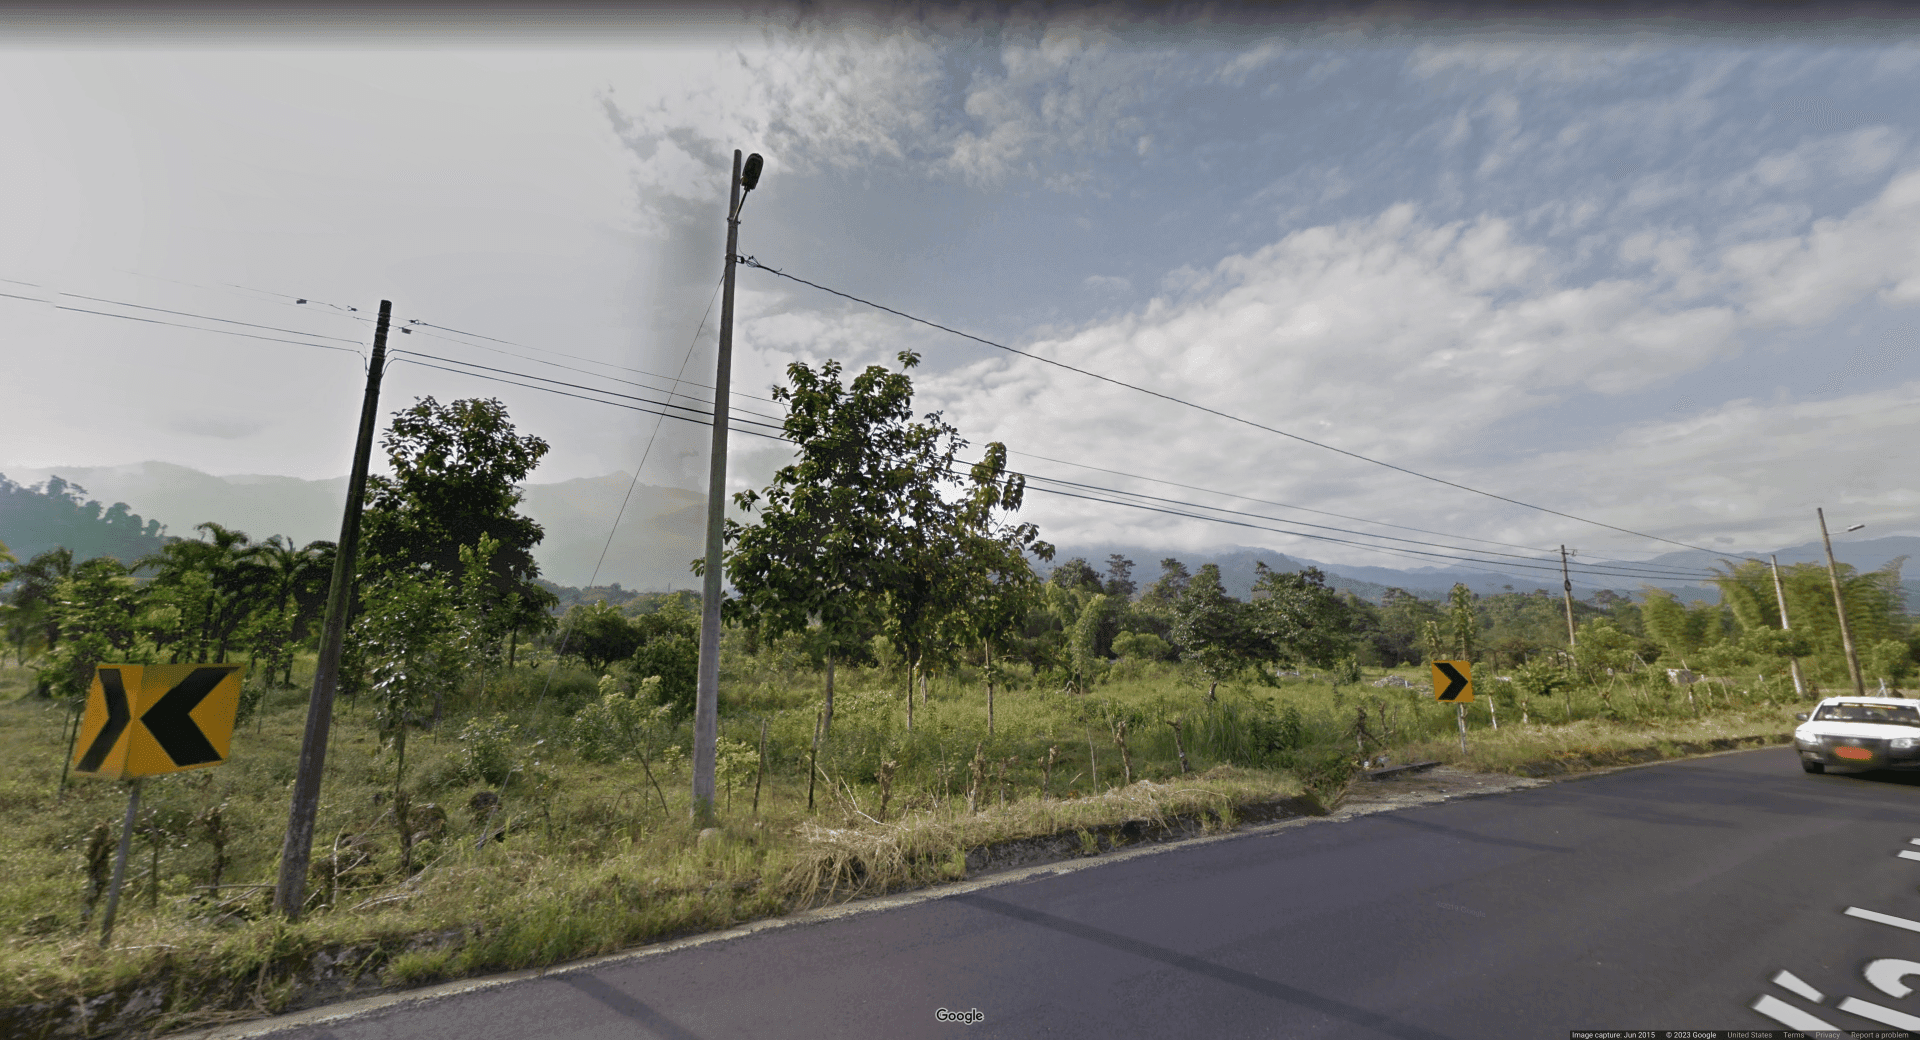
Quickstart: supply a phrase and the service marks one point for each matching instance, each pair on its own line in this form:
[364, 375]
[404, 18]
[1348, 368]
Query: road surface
[1673, 896]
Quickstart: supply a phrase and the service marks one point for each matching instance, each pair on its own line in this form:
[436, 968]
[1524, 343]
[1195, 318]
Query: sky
[1657, 276]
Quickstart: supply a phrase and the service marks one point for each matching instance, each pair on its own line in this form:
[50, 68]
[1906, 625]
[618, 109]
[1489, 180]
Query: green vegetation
[898, 688]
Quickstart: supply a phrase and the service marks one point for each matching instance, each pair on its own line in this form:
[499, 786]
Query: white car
[1859, 733]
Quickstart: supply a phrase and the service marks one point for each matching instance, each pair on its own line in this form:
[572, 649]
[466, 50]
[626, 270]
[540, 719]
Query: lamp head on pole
[750, 174]
[1856, 527]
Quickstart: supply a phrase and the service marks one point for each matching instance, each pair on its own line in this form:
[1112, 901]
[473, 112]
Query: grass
[596, 857]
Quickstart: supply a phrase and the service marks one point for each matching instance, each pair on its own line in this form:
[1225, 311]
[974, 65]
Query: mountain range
[662, 528]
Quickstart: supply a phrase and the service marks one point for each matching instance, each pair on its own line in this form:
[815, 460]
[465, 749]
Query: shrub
[489, 750]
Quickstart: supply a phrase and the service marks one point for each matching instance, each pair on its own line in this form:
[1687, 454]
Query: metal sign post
[1453, 683]
[120, 861]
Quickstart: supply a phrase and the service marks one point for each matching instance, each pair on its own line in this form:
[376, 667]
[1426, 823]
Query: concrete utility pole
[1780, 592]
[290, 895]
[1840, 606]
[1566, 588]
[706, 705]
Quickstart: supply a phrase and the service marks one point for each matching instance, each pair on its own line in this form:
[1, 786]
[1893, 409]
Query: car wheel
[1811, 766]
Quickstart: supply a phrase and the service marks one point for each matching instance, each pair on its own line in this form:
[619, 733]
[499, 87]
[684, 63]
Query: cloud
[1803, 279]
[1107, 284]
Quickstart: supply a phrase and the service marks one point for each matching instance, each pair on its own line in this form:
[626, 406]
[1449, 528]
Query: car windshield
[1885, 714]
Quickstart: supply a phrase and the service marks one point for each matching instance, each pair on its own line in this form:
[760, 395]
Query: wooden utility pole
[1780, 593]
[290, 895]
[706, 705]
[1840, 606]
[1566, 588]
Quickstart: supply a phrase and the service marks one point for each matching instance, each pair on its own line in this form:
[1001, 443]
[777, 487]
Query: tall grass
[531, 843]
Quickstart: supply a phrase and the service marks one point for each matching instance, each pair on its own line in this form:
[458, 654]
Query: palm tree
[35, 584]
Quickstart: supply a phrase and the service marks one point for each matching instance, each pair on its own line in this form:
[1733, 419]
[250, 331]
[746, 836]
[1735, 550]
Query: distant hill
[1369, 583]
[55, 513]
[660, 533]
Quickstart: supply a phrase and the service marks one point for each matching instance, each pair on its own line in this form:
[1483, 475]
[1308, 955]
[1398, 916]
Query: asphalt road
[1665, 897]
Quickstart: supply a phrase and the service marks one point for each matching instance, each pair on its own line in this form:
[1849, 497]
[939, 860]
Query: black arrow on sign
[1455, 681]
[117, 718]
[168, 721]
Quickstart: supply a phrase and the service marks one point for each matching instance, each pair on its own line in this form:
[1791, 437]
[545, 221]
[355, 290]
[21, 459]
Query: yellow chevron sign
[146, 720]
[1453, 682]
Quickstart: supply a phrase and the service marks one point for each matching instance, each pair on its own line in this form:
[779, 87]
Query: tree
[32, 600]
[1210, 628]
[1076, 573]
[997, 586]
[1165, 592]
[1120, 577]
[670, 650]
[456, 477]
[1296, 618]
[1462, 625]
[821, 551]
[598, 634]
[96, 607]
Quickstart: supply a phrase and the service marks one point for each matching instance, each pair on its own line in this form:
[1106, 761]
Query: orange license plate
[1859, 753]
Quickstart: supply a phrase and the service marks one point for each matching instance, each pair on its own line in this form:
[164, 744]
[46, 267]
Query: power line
[616, 404]
[1647, 572]
[1306, 509]
[206, 317]
[751, 262]
[706, 404]
[577, 386]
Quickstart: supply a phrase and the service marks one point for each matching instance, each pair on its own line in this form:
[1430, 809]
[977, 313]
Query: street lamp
[1840, 606]
[706, 703]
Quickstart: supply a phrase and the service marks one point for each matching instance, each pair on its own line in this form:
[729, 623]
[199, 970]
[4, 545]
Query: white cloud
[1803, 279]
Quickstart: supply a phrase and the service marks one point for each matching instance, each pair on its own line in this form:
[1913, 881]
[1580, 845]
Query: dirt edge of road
[325, 990]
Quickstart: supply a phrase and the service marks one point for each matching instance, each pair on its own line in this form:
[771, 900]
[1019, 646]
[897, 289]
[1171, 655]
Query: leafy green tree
[997, 588]
[1679, 631]
[1211, 629]
[34, 586]
[1888, 659]
[97, 606]
[1120, 577]
[1462, 624]
[598, 634]
[406, 640]
[669, 650]
[1144, 646]
[1077, 574]
[457, 471]
[822, 551]
[1164, 594]
[1296, 618]
[1403, 620]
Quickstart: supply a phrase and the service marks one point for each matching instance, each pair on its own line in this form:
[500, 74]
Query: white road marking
[1904, 854]
[1788, 980]
[1871, 915]
[1788, 1015]
[1885, 975]
[1884, 1016]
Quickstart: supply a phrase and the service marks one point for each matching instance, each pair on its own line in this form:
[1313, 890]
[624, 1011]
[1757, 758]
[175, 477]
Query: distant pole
[1780, 592]
[290, 895]
[706, 705]
[1840, 607]
[1566, 588]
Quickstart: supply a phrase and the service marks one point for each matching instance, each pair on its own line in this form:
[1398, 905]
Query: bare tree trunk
[989, 651]
[1178, 746]
[910, 666]
[1046, 774]
[826, 720]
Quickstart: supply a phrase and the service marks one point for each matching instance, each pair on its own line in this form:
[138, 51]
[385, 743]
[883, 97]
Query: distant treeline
[56, 514]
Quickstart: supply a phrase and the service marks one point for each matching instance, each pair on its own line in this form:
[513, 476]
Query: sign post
[1453, 684]
[150, 720]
